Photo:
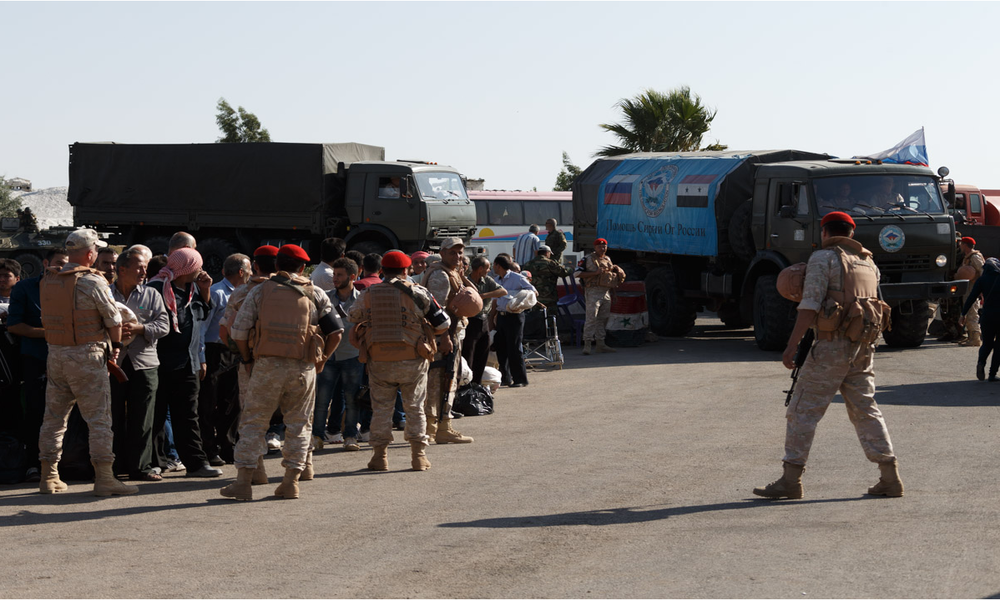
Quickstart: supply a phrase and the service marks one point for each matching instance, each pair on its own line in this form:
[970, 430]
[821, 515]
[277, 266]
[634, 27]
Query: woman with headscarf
[186, 291]
[989, 316]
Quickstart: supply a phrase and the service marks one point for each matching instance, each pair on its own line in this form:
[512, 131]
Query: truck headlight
[941, 260]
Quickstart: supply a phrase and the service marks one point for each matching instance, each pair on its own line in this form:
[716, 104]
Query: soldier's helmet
[966, 272]
[791, 280]
[466, 303]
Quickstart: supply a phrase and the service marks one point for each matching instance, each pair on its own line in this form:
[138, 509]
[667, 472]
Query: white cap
[83, 238]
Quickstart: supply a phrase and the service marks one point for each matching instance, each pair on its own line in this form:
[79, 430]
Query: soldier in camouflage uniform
[545, 273]
[973, 258]
[264, 268]
[394, 318]
[835, 362]
[84, 330]
[555, 240]
[600, 276]
[296, 331]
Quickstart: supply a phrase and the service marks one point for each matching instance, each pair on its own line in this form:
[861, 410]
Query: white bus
[502, 216]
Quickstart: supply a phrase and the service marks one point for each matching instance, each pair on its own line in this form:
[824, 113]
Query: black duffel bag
[473, 400]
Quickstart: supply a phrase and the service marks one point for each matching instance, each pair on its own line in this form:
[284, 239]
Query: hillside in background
[49, 205]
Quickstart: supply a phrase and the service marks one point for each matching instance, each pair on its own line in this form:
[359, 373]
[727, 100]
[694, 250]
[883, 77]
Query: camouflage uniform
[438, 285]
[79, 375]
[834, 365]
[544, 274]
[598, 299]
[976, 260]
[276, 382]
[228, 317]
[556, 241]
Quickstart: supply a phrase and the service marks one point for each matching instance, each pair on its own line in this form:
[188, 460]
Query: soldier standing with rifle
[444, 280]
[396, 324]
[840, 302]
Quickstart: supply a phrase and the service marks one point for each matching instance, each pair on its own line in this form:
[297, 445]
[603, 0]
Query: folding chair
[547, 350]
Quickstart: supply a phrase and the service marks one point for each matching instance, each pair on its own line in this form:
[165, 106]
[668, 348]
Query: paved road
[626, 475]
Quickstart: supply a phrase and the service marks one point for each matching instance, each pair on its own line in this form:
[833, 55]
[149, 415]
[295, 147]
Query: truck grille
[459, 232]
[896, 263]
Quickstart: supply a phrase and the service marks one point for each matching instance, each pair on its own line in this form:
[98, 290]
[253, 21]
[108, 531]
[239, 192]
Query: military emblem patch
[891, 238]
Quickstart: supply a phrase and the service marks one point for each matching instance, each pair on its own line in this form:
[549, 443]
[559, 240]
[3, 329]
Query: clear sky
[499, 90]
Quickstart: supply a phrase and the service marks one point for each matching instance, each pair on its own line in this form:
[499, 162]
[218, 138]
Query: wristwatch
[117, 345]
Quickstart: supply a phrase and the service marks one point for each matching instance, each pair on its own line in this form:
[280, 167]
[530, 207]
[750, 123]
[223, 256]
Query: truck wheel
[740, 236]
[908, 330]
[731, 317]
[31, 265]
[633, 271]
[773, 316]
[214, 252]
[670, 313]
[370, 247]
[158, 245]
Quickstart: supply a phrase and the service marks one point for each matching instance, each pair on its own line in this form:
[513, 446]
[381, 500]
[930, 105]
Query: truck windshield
[878, 194]
[440, 186]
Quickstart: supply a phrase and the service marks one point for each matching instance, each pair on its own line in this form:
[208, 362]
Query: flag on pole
[911, 151]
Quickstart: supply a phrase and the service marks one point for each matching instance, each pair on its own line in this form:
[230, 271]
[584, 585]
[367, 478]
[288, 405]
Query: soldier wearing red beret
[839, 276]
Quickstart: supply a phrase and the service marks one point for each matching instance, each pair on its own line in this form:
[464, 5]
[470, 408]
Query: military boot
[259, 474]
[432, 426]
[241, 488]
[446, 435]
[307, 473]
[602, 347]
[418, 456]
[974, 340]
[106, 484]
[789, 486]
[289, 488]
[586, 346]
[380, 459]
[50, 482]
[889, 484]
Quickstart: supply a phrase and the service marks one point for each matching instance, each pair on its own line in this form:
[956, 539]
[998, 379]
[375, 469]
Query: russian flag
[618, 189]
[692, 191]
[911, 151]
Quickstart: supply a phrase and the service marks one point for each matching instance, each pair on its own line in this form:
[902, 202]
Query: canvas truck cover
[669, 203]
[200, 178]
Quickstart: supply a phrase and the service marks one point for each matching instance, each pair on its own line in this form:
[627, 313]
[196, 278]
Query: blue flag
[911, 151]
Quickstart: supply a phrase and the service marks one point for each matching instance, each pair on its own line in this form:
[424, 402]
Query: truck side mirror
[787, 212]
[404, 188]
[949, 196]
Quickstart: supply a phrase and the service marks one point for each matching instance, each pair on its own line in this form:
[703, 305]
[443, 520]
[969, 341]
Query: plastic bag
[473, 400]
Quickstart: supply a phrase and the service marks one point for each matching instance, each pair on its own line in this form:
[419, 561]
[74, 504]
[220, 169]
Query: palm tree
[658, 122]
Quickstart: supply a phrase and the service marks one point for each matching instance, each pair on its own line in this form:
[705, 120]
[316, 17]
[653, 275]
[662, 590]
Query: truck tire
[908, 330]
[214, 252]
[731, 316]
[773, 316]
[740, 236]
[31, 264]
[670, 313]
[633, 271]
[158, 245]
[370, 247]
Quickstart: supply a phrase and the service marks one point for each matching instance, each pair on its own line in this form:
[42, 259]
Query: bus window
[506, 212]
[480, 212]
[539, 212]
[567, 213]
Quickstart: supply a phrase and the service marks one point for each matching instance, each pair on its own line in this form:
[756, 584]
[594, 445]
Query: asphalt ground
[622, 475]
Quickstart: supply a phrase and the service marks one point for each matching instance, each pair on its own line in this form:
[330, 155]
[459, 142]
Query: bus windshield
[440, 186]
[878, 194]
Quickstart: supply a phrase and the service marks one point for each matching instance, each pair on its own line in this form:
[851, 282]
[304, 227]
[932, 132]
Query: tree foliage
[239, 126]
[568, 174]
[655, 121]
[9, 205]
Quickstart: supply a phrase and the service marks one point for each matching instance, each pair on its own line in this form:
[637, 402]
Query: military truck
[28, 246]
[711, 230]
[236, 197]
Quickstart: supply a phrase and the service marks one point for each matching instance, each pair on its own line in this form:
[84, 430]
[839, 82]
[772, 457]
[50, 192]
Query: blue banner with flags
[664, 205]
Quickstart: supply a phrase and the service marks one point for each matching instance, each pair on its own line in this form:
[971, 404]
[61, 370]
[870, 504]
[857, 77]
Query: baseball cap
[452, 241]
[544, 248]
[83, 238]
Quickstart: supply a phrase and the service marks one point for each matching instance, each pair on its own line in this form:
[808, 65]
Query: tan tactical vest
[454, 280]
[283, 326]
[977, 265]
[64, 323]
[396, 328]
[608, 279]
[854, 312]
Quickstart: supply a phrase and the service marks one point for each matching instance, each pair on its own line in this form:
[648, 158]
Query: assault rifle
[448, 372]
[805, 345]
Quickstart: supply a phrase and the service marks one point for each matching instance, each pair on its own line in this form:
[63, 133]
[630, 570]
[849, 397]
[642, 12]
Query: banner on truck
[664, 205]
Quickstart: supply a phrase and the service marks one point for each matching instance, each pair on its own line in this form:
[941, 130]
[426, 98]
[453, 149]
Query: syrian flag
[692, 191]
[618, 189]
[911, 151]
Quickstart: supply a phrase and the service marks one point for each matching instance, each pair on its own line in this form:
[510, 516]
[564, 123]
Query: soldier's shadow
[947, 393]
[627, 515]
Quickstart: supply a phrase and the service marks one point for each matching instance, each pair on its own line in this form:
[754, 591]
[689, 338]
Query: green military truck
[236, 197]
[711, 230]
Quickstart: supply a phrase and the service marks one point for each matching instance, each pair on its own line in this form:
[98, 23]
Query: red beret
[268, 250]
[838, 217]
[600, 241]
[969, 241]
[294, 251]
[395, 260]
